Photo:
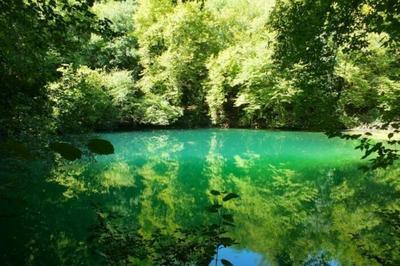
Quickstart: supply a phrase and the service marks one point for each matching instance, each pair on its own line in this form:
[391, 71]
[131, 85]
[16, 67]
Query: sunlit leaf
[100, 146]
[67, 151]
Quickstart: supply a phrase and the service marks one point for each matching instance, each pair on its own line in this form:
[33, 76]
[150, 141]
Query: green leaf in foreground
[215, 192]
[230, 196]
[214, 208]
[226, 262]
[100, 146]
[67, 151]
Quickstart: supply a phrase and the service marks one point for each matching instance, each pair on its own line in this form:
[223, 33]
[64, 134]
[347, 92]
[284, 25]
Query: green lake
[302, 200]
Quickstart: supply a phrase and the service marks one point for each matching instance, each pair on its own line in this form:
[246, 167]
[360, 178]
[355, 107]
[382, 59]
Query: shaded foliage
[36, 36]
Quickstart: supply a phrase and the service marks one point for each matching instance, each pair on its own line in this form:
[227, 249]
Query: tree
[175, 42]
[316, 34]
[36, 37]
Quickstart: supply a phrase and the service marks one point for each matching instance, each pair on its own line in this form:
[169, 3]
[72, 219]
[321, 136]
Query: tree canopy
[271, 64]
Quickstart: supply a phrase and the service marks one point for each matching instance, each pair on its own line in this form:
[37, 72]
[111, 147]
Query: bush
[84, 99]
[80, 100]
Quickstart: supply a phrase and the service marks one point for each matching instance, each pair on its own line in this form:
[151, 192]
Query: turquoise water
[302, 201]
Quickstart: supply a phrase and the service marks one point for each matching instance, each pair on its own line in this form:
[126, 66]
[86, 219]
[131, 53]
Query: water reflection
[241, 257]
[303, 201]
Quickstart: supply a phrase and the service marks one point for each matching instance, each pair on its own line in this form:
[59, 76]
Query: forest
[79, 66]
[74, 71]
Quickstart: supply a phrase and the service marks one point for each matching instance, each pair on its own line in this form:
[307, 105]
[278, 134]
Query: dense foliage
[36, 37]
[283, 64]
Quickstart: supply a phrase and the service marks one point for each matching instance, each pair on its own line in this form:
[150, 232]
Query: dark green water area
[203, 197]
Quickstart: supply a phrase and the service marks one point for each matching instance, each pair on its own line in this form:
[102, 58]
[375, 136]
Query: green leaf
[390, 135]
[226, 262]
[214, 208]
[355, 136]
[100, 146]
[67, 151]
[230, 196]
[215, 192]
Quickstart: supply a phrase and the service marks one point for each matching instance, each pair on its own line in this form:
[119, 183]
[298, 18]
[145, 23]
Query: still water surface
[302, 201]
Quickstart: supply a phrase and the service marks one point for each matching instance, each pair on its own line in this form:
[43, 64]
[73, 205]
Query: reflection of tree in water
[289, 219]
[165, 203]
[121, 243]
[164, 233]
[289, 216]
